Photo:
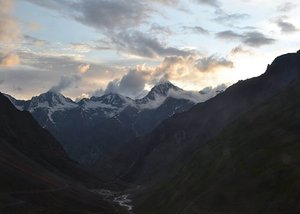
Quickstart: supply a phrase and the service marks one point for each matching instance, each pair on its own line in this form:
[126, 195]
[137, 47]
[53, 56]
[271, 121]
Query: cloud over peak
[65, 82]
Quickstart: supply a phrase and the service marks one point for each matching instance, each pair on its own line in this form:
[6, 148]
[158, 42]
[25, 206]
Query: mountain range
[235, 152]
[90, 128]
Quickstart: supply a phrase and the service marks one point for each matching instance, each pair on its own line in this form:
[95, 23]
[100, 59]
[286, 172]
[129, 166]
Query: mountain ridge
[108, 114]
[156, 155]
[249, 167]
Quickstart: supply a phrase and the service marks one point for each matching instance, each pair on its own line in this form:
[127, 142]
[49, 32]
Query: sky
[83, 48]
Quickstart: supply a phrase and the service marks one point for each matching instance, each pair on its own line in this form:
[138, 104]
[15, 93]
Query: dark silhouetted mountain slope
[36, 176]
[252, 166]
[157, 155]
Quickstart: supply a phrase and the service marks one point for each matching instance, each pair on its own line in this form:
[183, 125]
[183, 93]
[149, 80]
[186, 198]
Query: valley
[236, 152]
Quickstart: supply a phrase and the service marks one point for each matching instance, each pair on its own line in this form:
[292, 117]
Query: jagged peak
[106, 101]
[52, 98]
[162, 88]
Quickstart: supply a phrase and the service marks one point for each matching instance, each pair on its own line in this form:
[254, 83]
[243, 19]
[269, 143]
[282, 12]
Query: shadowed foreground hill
[36, 176]
[251, 167]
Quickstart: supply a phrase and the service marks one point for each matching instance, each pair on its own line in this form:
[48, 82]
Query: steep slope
[36, 174]
[155, 156]
[252, 166]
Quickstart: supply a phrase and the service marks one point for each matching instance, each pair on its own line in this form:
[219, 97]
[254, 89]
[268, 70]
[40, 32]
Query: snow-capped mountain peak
[112, 101]
[51, 99]
[157, 95]
[115, 100]
[162, 89]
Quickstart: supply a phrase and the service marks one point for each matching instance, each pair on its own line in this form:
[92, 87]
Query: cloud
[106, 15]
[240, 50]
[257, 39]
[34, 26]
[131, 84]
[101, 14]
[285, 26]
[229, 18]
[166, 2]
[156, 29]
[65, 82]
[213, 3]
[112, 87]
[198, 97]
[286, 7]
[10, 34]
[9, 28]
[83, 68]
[10, 60]
[110, 14]
[212, 63]
[185, 67]
[251, 38]
[229, 35]
[196, 29]
[98, 92]
[33, 41]
[142, 45]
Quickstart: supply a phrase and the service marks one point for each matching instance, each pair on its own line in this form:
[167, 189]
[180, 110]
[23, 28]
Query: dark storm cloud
[143, 45]
[285, 26]
[196, 29]
[65, 82]
[252, 38]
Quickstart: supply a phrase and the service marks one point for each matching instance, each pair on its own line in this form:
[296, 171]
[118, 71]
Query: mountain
[251, 166]
[160, 153]
[36, 174]
[158, 91]
[92, 128]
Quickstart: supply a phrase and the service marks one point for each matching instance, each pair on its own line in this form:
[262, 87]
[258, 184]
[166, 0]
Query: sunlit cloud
[83, 68]
[9, 60]
[10, 34]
